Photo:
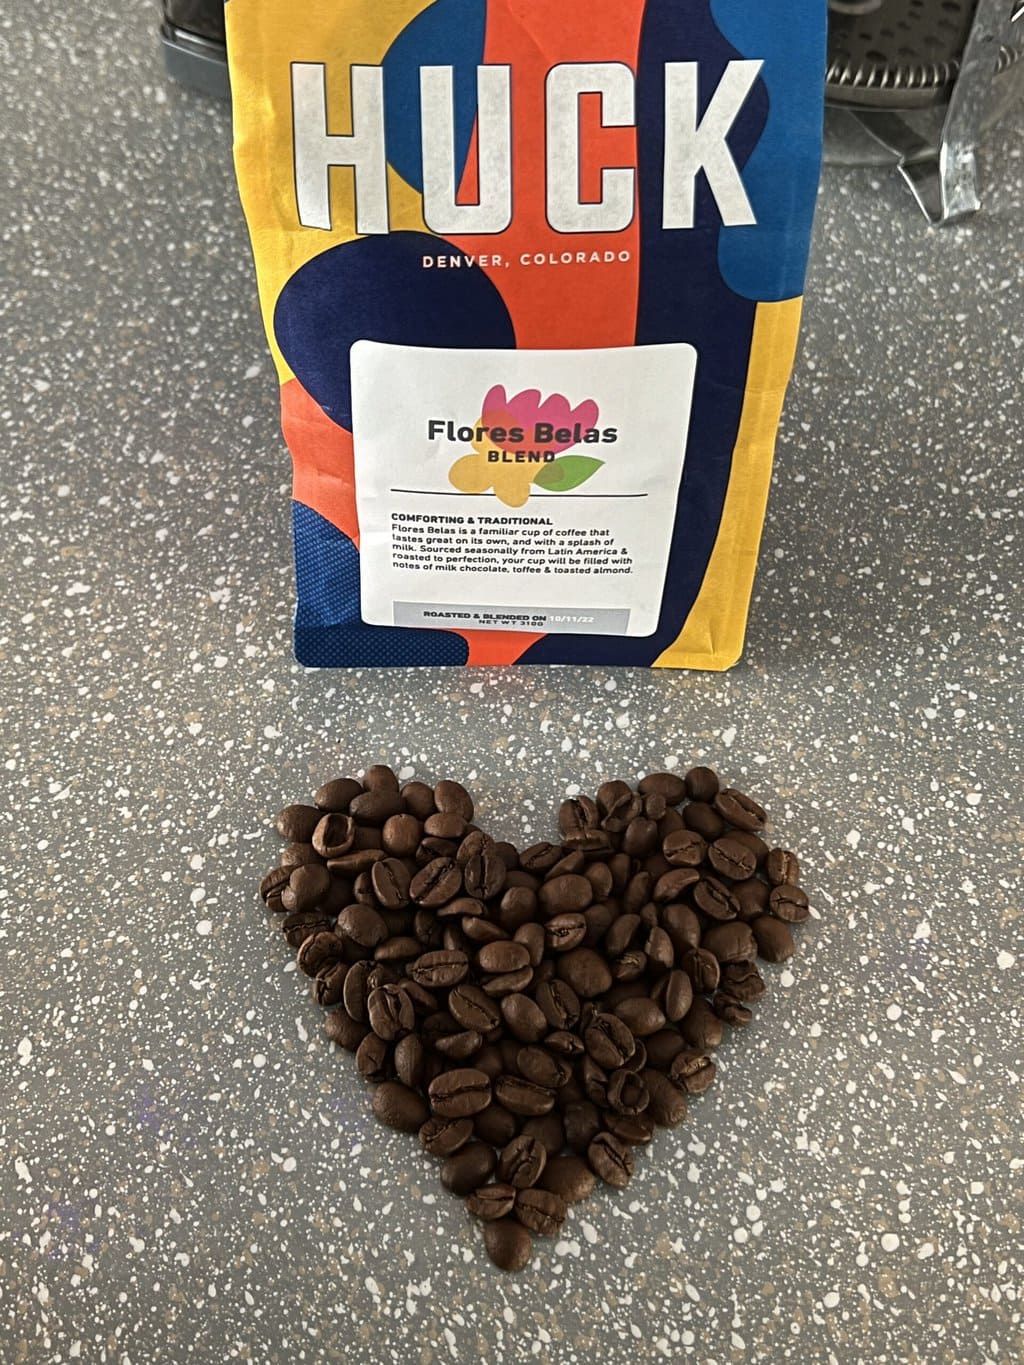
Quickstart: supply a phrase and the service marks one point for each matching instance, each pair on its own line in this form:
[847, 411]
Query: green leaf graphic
[569, 471]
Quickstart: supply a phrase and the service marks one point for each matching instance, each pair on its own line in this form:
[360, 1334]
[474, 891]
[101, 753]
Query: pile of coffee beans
[533, 1015]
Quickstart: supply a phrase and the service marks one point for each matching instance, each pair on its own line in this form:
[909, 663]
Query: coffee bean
[789, 903]
[376, 806]
[440, 969]
[361, 925]
[684, 848]
[460, 1093]
[582, 1124]
[496, 1125]
[521, 1096]
[329, 983]
[508, 1244]
[540, 1210]
[692, 1071]
[440, 881]
[594, 1080]
[473, 1009]
[751, 898]
[702, 968]
[681, 925]
[548, 1130]
[453, 798]
[704, 820]
[609, 1040]
[662, 1047]
[319, 951]
[577, 819]
[374, 1059]
[585, 971]
[432, 847]
[668, 785]
[275, 881]
[342, 1029]
[701, 1029]
[380, 778]
[539, 857]
[297, 823]
[507, 956]
[442, 1137]
[730, 1009]
[523, 1017]
[666, 1102]
[460, 1047]
[307, 886]
[303, 924]
[334, 835]
[401, 948]
[390, 1012]
[658, 949]
[564, 932]
[611, 1160]
[522, 1161]
[356, 990]
[490, 1202]
[298, 855]
[675, 995]
[731, 942]
[640, 837]
[399, 1106]
[782, 867]
[641, 1016]
[358, 860]
[336, 794]
[599, 875]
[622, 813]
[730, 858]
[505, 983]
[419, 799]
[753, 842]
[568, 894]
[559, 1004]
[469, 1168]
[633, 1129]
[774, 939]
[740, 810]
[484, 875]
[701, 784]
[627, 1092]
[743, 981]
[543, 1068]
[569, 1177]
[715, 899]
[390, 880]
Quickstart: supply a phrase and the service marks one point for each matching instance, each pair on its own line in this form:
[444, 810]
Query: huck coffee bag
[531, 275]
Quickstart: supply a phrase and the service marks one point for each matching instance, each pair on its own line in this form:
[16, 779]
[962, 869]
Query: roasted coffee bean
[374, 1059]
[667, 785]
[401, 948]
[460, 1047]
[442, 1137]
[608, 793]
[437, 883]
[432, 848]
[564, 1044]
[345, 1031]
[541, 1211]
[303, 924]
[496, 1125]
[672, 885]
[674, 995]
[633, 1129]
[569, 1177]
[705, 820]
[409, 1059]
[774, 939]
[701, 1030]
[658, 949]
[714, 899]
[380, 778]
[390, 879]
[740, 810]
[508, 1244]
[329, 984]
[518, 907]
[376, 806]
[567, 894]
[564, 932]
[523, 1017]
[548, 1130]
[275, 881]
[609, 1041]
[627, 1092]
[670, 823]
[662, 1047]
[582, 1124]
[751, 898]
[743, 981]
[531, 936]
[684, 848]
[453, 798]
[319, 951]
[508, 853]
[641, 1016]
[655, 808]
[505, 983]
[334, 835]
[599, 919]
[469, 1168]
[730, 858]
[460, 1093]
[621, 934]
[298, 855]
[701, 784]
[297, 823]
[521, 1096]
[692, 1071]
[356, 990]
[730, 1009]
[307, 886]
[600, 878]
[782, 868]
[506, 956]
[490, 1202]
[390, 1012]
[440, 970]
[640, 837]
[473, 1009]
[702, 968]
[611, 1160]
[484, 875]
[337, 794]
[358, 860]
[361, 925]
[419, 800]
[731, 942]
[558, 1003]
[630, 966]
[461, 908]
[445, 826]
[681, 925]
[666, 1102]
[620, 816]
[585, 971]
[753, 842]
[399, 1107]
[594, 1080]
[577, 818]
[522, 1162]
[543, 1068]
[539, 857]
[789, 903]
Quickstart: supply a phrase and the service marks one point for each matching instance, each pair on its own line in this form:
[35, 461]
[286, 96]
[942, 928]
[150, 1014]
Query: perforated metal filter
[906, 55]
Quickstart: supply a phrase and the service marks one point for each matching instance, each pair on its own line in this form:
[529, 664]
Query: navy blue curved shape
[328, 629]
[682, 297]
[377, 288]
[447, 33]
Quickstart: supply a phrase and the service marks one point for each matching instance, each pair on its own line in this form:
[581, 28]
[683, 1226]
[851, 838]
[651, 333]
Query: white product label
[518, 490]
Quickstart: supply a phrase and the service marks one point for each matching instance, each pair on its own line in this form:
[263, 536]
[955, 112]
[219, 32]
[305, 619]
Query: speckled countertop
[187, 1173]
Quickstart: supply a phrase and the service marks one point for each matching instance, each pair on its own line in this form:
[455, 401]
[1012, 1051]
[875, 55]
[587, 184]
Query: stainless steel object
[908, 56]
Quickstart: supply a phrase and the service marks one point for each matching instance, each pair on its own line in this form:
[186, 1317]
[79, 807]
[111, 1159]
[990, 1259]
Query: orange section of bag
[556, 307]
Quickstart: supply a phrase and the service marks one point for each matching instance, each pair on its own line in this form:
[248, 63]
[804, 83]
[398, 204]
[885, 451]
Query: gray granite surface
[187, 1172]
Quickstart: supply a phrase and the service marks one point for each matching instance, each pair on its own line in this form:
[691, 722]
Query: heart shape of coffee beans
[533, 1015]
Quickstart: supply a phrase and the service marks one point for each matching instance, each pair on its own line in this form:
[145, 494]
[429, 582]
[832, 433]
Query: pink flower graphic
[525, 410]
